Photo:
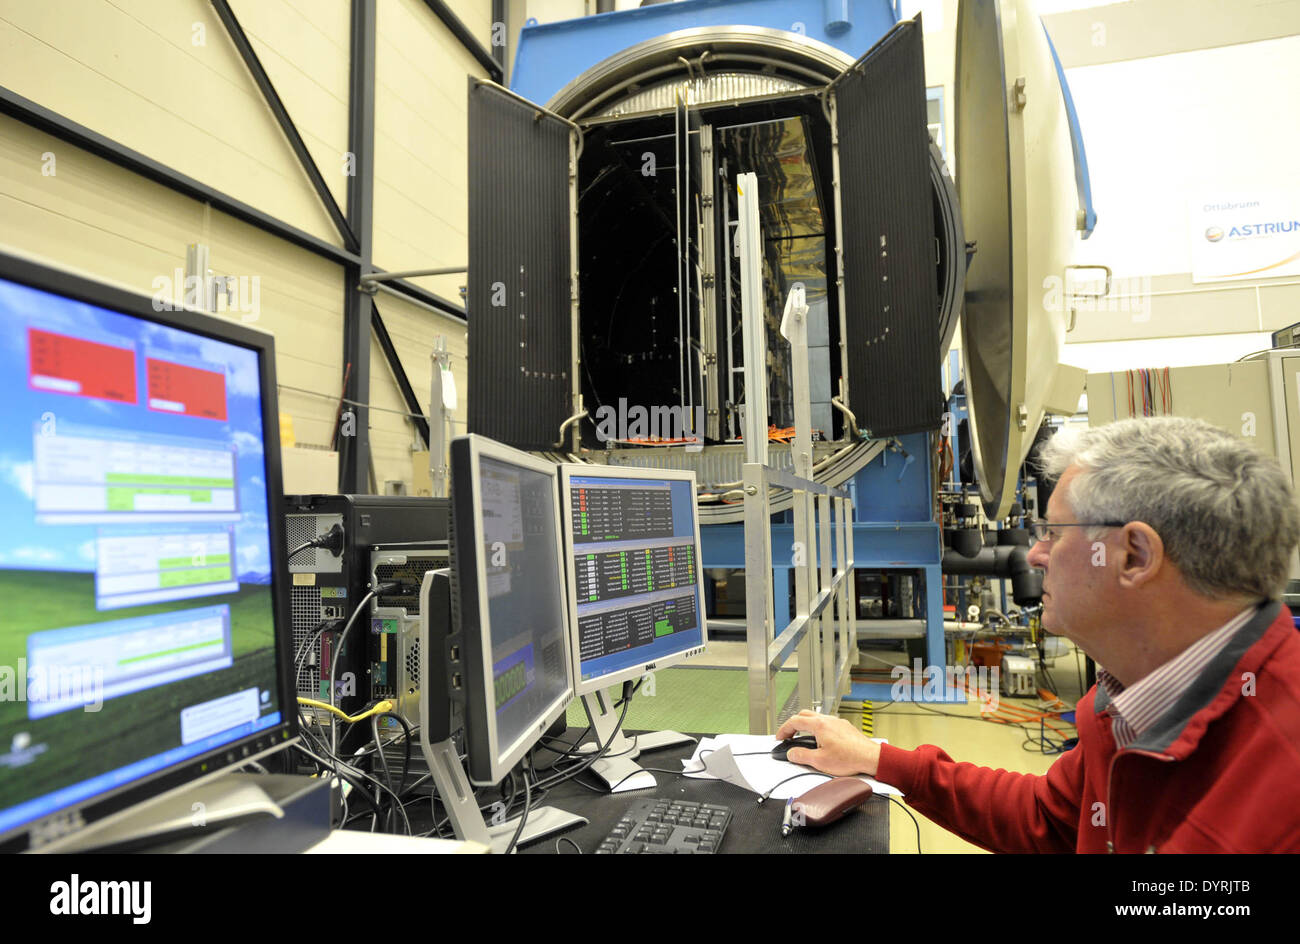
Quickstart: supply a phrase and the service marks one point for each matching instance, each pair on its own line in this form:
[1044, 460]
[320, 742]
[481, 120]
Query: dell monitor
[505, 643]
[635, 593]
[144, 643]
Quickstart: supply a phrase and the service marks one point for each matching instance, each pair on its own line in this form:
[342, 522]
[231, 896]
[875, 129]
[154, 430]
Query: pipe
[559, 443]
[373, 277]
[1002, 561]
[837, 16]
[853, 420]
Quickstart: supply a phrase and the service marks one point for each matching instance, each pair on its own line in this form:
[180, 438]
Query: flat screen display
[526, 606]
[636, 572]
[138, 628]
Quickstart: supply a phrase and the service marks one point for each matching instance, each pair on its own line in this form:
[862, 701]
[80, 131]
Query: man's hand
[842, 750]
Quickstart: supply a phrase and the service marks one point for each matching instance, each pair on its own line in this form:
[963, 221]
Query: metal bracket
[1018, 94]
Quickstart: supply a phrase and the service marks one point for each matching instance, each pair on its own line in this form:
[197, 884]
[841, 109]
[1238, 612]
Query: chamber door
[886, 238]
[1016, 184]
[522, 284]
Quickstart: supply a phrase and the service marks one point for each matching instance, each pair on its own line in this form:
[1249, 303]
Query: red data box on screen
[186, 391]
[57, 363]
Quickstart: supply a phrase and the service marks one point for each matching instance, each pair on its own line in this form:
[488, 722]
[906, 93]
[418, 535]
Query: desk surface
[754, 828]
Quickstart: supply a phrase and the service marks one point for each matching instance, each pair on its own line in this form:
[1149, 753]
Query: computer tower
[394, 655]
[325, 588]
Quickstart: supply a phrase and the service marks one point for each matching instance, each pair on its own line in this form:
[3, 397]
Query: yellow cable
[379, 709]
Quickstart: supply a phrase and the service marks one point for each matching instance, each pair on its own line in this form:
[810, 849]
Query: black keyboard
[668, 827]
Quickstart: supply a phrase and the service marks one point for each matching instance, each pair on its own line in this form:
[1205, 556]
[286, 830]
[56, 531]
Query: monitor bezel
[489, 761]
[568, 470]
[80, 820]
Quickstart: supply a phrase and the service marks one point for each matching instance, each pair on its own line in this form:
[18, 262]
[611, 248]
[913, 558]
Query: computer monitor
[144, 643]
[494, 634]
[508, 601]
[635, 591]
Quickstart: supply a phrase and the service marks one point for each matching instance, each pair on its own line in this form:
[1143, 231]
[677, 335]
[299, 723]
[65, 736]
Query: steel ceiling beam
[458, 29]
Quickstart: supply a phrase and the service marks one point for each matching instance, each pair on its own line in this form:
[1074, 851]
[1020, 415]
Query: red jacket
[1220, 772]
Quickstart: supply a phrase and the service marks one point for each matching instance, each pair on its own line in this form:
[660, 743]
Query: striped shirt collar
[1135, 708]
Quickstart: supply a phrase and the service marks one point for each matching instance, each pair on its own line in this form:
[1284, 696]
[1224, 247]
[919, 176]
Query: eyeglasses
[1048, 531]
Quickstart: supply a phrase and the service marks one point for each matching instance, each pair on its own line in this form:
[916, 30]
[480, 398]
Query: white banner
[1245, 236]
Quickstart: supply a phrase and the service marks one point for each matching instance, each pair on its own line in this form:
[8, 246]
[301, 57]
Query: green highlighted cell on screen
[196, 575]
[510, 683]
[191, 481]
[663, 628]
[171, 563]
[123, 499]
[206, 644]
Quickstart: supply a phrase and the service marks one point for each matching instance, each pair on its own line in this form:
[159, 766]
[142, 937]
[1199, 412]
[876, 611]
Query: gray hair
[1226, 513]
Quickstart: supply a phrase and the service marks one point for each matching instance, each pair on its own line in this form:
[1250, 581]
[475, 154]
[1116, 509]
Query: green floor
[709, 701]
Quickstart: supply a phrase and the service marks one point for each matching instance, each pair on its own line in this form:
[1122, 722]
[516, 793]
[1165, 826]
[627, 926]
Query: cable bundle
[370, 776]
[1150, 390]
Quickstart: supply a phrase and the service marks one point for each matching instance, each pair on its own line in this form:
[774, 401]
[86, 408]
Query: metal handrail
[827, 646]
[824, 629]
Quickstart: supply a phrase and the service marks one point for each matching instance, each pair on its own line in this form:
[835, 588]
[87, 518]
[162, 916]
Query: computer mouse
[803, 740]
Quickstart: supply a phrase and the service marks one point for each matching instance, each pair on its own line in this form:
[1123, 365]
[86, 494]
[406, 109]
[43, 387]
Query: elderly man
[1166, 547]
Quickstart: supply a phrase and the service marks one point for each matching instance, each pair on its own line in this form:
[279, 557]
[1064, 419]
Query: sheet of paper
[642, 781]
[352, 842]
[721, 765]
[757, 771]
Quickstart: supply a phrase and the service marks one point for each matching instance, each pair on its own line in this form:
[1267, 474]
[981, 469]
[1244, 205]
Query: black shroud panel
[520, 344]
[891, 327]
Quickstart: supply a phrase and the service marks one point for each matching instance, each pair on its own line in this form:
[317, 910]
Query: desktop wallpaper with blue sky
[26, 412]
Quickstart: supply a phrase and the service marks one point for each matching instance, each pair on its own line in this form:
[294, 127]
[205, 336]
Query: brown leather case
[827, 802]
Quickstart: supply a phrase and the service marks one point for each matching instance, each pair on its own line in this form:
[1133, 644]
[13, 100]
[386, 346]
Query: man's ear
[1142, 555]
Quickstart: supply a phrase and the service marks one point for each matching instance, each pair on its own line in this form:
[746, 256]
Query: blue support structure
[893, 529]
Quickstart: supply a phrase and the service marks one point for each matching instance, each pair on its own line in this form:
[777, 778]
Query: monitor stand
[226, 800]
[458, 800]
[618, 768]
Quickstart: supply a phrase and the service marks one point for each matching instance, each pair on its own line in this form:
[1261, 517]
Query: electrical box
[1017, 675]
